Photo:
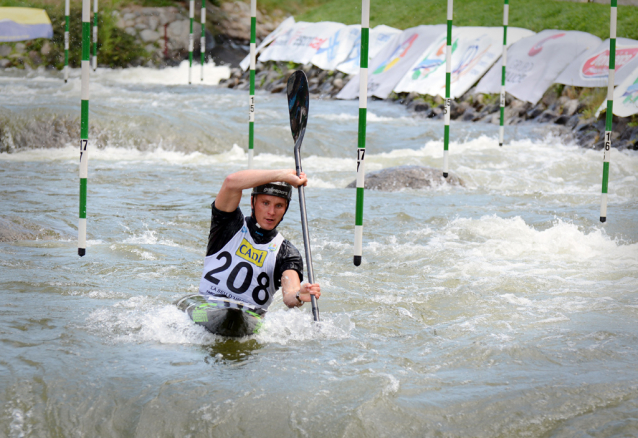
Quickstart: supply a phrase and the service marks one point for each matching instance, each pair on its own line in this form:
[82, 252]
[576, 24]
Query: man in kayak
[247, 259]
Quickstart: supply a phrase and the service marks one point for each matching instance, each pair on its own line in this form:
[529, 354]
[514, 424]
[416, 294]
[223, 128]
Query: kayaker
[247, 259]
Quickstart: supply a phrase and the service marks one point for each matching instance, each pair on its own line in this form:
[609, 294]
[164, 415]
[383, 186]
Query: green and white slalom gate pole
[610, 107]
[448, 75]
[251, 101]
[202, 41]
[95, 17]
[67, 20]
[190, 41]
[506, 12]
[84, 122]
[361, 146]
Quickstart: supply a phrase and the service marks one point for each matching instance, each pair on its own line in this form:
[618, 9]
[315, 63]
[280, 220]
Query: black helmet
[279, 189]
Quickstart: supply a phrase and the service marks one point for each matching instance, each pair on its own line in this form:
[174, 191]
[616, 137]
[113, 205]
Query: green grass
[535, 15]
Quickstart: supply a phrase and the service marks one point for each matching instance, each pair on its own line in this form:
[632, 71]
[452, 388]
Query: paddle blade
[298, 101]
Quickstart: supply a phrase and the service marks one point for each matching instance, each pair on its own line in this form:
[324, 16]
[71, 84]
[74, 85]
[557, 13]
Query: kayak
[222, 316]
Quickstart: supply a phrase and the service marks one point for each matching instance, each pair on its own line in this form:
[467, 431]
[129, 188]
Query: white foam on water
[149, 237]
[166, 76]
[370, 118]
[494, 238]
[127, 155]
[296, 325]
[143, 319]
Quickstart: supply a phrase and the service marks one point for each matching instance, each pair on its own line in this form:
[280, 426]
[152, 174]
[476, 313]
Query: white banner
[283, 26]
[379, 37]
[334, 51]
[474, 50]
[300, 42]
[389, 66]
[591, 69]
[534, 63]
[626, 96]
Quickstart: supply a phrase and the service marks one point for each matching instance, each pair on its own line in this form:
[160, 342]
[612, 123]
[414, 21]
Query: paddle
[298, 100]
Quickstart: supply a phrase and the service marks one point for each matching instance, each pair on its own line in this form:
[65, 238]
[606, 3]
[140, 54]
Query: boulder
[149, 36]
[411, 177]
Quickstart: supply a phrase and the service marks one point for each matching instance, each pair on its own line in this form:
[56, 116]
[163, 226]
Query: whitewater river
[501, 308]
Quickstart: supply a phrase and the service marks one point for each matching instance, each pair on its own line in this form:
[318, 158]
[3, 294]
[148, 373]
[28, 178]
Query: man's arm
[290, 284]
[229, 195]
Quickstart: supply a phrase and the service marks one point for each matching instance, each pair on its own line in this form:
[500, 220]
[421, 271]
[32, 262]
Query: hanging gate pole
[190, 41]
[95, 18]
[448, 75]
[202, 41]
[84, 123]
[361, 145]
[501, 132]
[251, 99]
[67, 12]
[610, 107]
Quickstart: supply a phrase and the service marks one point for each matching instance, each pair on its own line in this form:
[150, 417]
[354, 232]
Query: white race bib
[242, 270]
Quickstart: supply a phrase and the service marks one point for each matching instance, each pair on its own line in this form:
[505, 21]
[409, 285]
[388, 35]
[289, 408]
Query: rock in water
[412, 177]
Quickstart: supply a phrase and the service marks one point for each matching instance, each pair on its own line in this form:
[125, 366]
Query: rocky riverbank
[569, 110]
[150, 36]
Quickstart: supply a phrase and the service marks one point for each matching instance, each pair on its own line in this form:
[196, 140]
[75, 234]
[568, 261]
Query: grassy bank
[535, 15]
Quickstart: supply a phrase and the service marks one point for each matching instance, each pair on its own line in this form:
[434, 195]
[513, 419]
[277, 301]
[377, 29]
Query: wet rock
[402, 177]
[149, 36]
[547, 116]
[534, 112]
[569, 108]
[46, 49]
[421, 107]
[562, 120]
[278, 88]
[573, 121]
[35, 57]
[469, 115]
[5, 50]
[588, 139]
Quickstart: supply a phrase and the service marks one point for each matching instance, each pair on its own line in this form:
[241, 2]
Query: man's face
[269, 210]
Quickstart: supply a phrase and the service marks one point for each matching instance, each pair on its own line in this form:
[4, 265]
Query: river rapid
[501, 308]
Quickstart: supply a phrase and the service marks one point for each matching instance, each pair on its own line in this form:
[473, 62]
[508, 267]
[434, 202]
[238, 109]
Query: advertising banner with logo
[626, 96]
[474, 51]
[21, 24]
[283, 26]
[534, 63]
[591, 68]
[334, 51]
[389, 66]
[379, 37]
[300, 42]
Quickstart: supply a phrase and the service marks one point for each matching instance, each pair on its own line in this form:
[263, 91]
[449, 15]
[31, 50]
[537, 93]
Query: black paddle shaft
[298, 102]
